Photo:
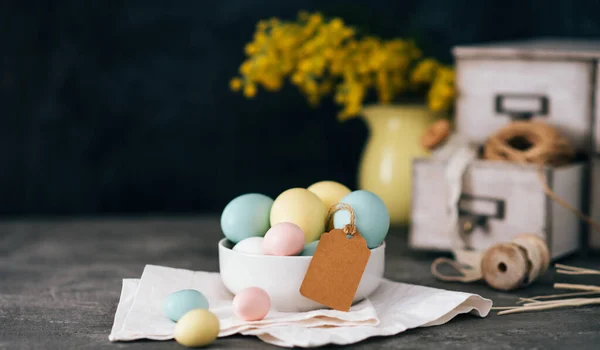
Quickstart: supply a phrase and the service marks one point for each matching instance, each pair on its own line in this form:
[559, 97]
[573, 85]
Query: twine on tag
[350, 228]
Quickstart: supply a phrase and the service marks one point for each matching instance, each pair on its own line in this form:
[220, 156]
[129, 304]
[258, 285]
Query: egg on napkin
[197, 328]
[178, 303]
[251, 304]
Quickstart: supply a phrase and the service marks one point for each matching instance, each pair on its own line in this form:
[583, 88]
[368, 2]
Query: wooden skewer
[525, 300]
[568, 272]
[576, 287]
[561, 295]
[504, 307]
[551, 302]
[562, 267]
[565, 303]
[536, 303]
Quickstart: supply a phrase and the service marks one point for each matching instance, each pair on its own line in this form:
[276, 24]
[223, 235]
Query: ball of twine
[538, 143]
[529, 142]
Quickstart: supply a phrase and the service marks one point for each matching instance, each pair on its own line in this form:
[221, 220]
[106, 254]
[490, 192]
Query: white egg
[252, 245]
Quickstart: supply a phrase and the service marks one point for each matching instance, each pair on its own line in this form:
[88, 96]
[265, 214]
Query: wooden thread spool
[503, 266]
[507, 266]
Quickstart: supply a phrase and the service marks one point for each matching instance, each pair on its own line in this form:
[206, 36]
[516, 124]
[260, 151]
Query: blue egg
[179, 303]
[309, 249]
[372, 216]
[246, 216]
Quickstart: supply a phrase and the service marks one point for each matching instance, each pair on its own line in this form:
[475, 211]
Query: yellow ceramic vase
[386, 164]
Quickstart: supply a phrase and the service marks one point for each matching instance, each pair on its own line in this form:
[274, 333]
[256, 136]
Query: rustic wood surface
[60, 283]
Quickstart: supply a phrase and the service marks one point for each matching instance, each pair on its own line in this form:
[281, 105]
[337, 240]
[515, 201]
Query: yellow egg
[330, 192]
[198, 327]
[303, 208]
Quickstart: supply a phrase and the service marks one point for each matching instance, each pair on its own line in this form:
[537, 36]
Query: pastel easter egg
[180, 302]
[303, 208]
[197, 328]
[246, 216]
[329, 192]
[252, 245]
[372, 216]
[251, 304]
[309, 249]
[283, 239]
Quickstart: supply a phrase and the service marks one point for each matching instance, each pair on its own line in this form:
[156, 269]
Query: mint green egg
[179, 303]
[246, 216]
[371, 214]
[309, 249]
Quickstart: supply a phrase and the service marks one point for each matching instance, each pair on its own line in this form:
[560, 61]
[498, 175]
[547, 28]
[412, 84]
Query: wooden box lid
[548, 48]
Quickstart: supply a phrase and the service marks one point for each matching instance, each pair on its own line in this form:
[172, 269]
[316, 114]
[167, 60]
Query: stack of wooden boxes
[557, 81]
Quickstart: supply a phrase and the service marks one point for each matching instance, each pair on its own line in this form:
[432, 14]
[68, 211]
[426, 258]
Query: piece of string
[350, 228]
[593, 223]
[467, 275]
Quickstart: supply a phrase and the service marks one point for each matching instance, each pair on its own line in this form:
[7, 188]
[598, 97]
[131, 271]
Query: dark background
[124, 106]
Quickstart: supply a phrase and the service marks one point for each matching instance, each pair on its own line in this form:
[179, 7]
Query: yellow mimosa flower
[348, 32]
[250, 49]
[316, 18]
[235, 84]
[297, 78]
[305, 65]
[246, 68]
[272, 84]
[261, 26]
[336, 24]
[250, 90]
[273, 22]
[325, 56]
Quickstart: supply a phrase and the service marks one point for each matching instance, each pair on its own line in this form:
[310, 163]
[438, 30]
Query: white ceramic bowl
[281, 276]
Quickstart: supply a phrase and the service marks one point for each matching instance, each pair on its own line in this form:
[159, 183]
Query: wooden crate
[551, 80]
[594, 236]
[596, 120]
[500, 200]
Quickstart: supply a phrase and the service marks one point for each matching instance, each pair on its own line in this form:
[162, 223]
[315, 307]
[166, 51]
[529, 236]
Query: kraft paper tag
[335, 270]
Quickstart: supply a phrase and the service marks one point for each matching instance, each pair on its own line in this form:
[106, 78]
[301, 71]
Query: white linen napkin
[393, 308]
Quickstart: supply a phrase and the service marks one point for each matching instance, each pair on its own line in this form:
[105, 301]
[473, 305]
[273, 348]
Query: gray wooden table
[60, 283]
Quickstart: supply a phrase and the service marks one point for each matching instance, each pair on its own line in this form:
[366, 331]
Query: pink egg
[283, 239]
[251, 304]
